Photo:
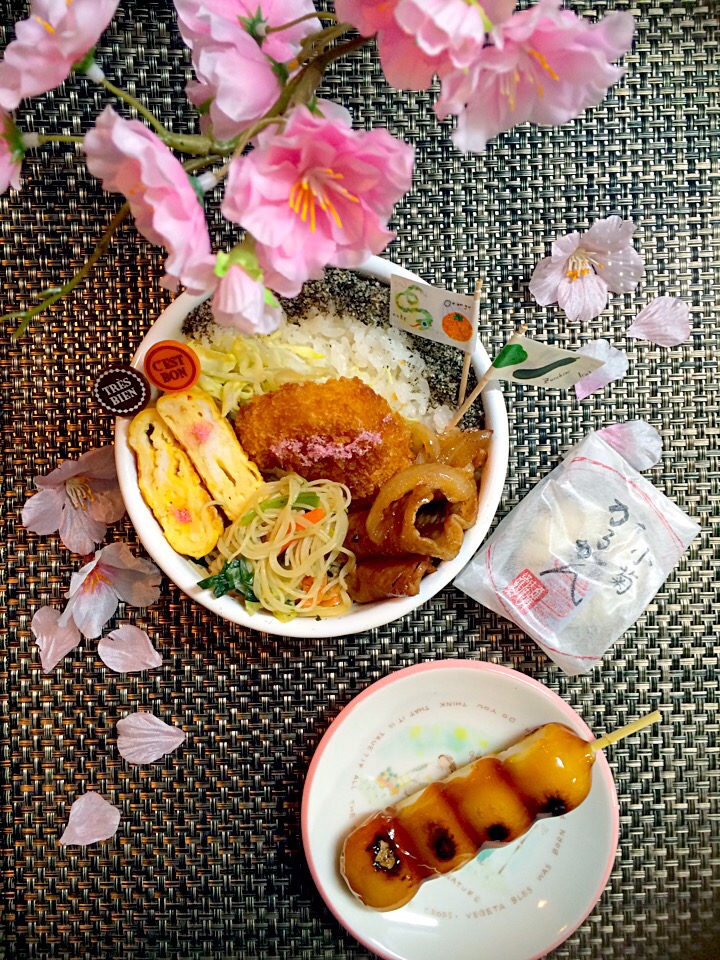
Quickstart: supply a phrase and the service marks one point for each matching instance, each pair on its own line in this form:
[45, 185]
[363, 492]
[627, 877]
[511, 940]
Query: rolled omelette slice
[211, 443]
[171, 487]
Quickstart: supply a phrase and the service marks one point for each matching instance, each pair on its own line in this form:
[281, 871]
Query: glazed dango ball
[491, 802]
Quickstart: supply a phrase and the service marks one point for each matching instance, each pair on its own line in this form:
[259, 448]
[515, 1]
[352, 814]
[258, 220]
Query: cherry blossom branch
[184, 143]
[42, 139]
[308, 16]
[54, 294]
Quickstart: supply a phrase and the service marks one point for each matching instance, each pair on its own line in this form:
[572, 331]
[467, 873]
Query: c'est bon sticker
[172, 365]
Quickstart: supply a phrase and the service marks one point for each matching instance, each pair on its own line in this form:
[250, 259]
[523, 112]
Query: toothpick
[478, 389]
[639, 724]
[468, 356]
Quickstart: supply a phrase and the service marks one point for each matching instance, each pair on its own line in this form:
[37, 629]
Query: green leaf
[237, 575]
[510, 354]
[307, 499]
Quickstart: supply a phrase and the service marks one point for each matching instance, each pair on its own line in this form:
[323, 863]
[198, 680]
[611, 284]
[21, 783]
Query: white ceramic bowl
[185, 573]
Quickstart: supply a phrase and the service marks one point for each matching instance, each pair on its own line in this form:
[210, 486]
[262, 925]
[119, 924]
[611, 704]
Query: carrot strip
[304, 521]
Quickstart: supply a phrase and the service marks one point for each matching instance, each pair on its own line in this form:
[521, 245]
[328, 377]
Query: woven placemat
[207, 862]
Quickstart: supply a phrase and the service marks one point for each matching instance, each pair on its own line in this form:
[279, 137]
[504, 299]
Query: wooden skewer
[468, 356]
[639, 724]
[478, 389]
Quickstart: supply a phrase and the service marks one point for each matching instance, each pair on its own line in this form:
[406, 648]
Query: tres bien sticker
[121, 390]
[171, 365]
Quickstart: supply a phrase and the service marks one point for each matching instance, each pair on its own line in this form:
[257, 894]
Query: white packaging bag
[579, 559]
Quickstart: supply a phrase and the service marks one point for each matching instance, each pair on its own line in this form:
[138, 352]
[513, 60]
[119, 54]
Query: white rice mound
[381, 357]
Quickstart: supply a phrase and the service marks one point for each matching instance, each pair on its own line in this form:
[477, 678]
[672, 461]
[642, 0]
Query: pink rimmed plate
[185, 573]
[517, 902]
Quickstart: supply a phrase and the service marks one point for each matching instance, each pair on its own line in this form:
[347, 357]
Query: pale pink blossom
[665, 321]
[48, 44]
[636, 441]
[545, 65]
[241, 301]
[584, 267]
[112, 575]
[78, 499]
[450, 32]
[224, 20]
[133, 161]
[237, 80]
[240, 295]
[145, 738]
[317, 193]
[54, 642]
[92, 819]
[614, 366]
[11, 153]
[128, 650]
[405, 65]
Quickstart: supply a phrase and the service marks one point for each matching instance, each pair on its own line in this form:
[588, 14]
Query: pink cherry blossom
[133, 161]
[545, 65]
[11, 153]
[112, 575]
[78, 499]
[128, 650]
[47, 45]
[317, 193]
[233, 105]
[448, 31]
[405, 65]
[224, 20]
[241, 302]
[583, 267]
[54, 642]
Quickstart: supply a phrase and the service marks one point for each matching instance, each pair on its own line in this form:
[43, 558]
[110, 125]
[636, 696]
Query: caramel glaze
[490, 802]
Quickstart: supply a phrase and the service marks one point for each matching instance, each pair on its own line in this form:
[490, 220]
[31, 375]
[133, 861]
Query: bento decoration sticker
[433, 313]
[121, 390]
[523, 361]
[172, 365]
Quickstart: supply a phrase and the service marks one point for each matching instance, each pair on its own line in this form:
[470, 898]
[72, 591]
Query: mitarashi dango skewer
[491, 801]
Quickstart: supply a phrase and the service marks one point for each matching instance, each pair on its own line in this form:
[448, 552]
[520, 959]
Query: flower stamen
[309, 190]
[542, 60]
[93, 581]
[578, 266]
[79, 492]
[43, 23]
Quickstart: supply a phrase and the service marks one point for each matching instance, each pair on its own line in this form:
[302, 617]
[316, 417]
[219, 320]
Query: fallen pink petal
[128, 650]
[92, 819]
[144, 738]
[615, 365]
[665, 321]
[637, 441]
[54, 642]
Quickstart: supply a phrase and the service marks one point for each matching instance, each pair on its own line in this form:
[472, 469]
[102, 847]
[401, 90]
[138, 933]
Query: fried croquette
[339, 430]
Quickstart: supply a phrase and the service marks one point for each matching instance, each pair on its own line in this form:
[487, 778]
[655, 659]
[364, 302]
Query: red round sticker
[172, 365]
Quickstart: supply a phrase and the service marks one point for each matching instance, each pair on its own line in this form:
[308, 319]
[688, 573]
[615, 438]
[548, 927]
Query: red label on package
[525, 591]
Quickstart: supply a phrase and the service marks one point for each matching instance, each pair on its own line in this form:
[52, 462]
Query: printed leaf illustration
[128, 650]
[527, 373]
[510, 354]
[92, 819]
[144, 738]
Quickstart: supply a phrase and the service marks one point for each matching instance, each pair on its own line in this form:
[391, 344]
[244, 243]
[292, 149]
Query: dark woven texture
[207, 862]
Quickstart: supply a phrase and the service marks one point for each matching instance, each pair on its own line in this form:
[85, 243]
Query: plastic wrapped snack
[579, 559]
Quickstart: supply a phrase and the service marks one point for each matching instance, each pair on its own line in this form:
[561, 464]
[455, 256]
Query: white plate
[514, 903]
[185, 574]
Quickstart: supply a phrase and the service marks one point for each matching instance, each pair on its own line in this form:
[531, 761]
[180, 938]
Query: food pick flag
[431, 312]
[527, 361]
